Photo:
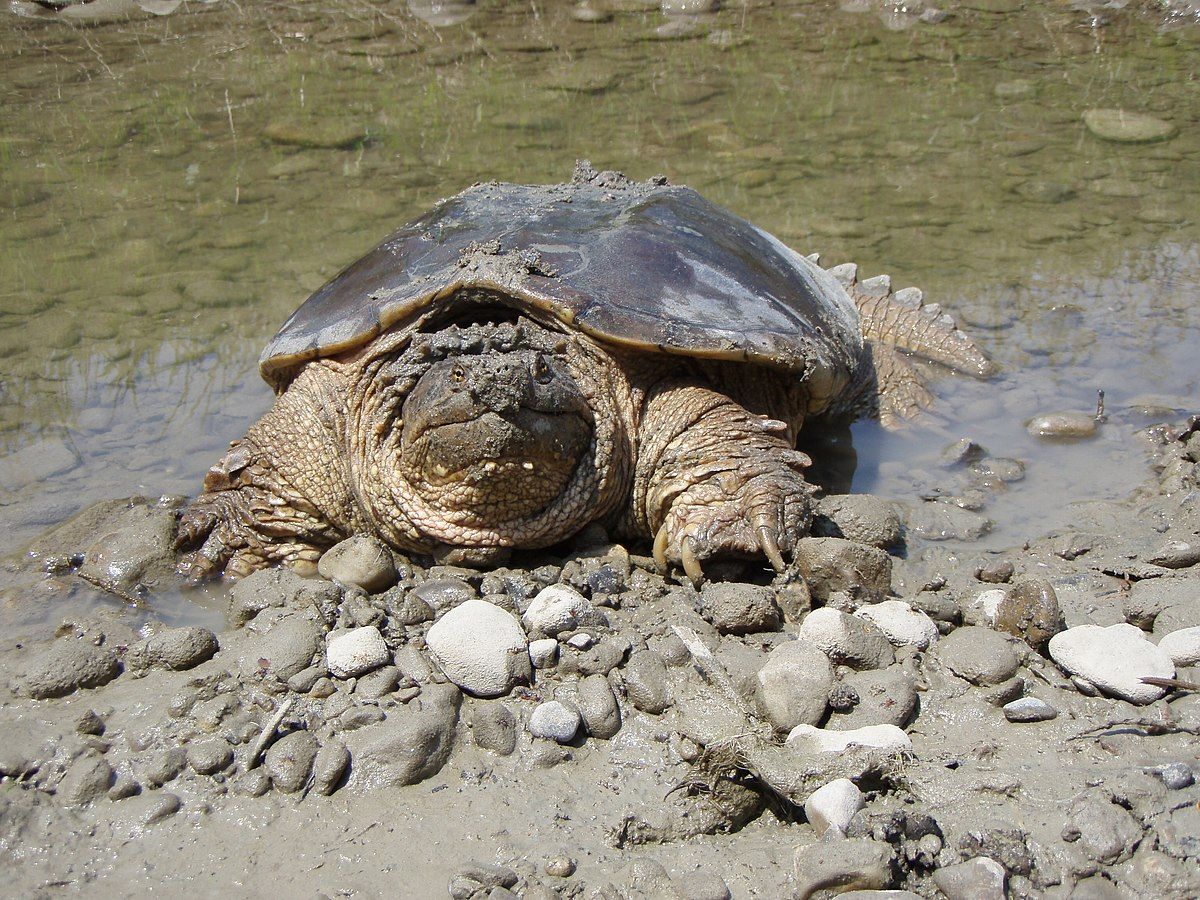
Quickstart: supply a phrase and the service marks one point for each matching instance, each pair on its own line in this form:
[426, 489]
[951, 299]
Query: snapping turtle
[522, 361]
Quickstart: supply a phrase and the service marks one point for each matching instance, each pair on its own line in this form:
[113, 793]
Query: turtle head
[494, 436]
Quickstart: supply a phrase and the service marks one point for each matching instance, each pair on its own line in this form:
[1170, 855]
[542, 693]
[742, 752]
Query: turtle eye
[457, 374]
[542, 372]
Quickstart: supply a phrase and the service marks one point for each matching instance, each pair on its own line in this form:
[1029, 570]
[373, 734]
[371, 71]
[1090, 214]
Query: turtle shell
[650, 265]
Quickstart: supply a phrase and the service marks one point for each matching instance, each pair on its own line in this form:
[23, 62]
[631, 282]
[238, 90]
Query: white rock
[543, 652]
[481, 648]
[988, 604]
[556, 609]
[356, 652]
[1183, 646]
[903, 625]
[794, 684]
[555, 721]
[580, 641]
[846, 640]
[1115, 659]
[808, 739]
[833, 805]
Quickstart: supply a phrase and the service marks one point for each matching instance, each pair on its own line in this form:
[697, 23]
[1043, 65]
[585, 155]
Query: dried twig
[268, 732]
[110, 588]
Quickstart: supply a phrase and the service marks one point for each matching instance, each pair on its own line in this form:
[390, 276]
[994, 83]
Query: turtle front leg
[714, 479]
[280, 495]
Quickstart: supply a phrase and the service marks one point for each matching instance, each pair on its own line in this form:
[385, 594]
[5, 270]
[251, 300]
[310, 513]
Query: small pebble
[580, 641]
[809, 739]
[1029, 709]
[1175, 776]
[555, 721]
[1183, 646]
[1062, 425]
[1115, 659]
[833, 805]
[362, 561]
[543, 652]
[998, 571]
[560, 866]
[356, 652]
[903, 625]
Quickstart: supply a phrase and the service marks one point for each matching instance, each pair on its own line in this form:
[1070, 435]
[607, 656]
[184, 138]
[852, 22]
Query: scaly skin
[670, 454]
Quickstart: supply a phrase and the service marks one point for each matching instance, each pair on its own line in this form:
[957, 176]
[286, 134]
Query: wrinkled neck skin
[488, 436]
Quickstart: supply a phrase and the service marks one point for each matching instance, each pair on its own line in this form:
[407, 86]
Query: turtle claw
[691, 564]
[660, 549]
[770, 548]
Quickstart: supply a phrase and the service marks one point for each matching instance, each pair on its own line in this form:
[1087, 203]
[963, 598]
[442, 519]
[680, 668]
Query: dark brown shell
[642, 265]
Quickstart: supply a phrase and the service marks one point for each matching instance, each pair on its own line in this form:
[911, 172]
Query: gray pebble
[69, 664]
[996, 571]
[646, 682]
[702, 885]
[289, 761]
[329, 766]
[1062, 425]
[559, 866]
[89, 722]
[884, 697]
[1175, 776]
[163, 766]
[444, 593]
[494, 727]
[859, 517]
[793, 685]
[286, 648]
[735, 608]
[598, 707]
[209, 756]
[555, 721]
[175, 648]
[979, 655]
[362, 561]
[254, 783]
[1029, 709]
[377, 684]
[87, 778]
[302, 682]
[543, 652]
[980, 878]
[125, 786]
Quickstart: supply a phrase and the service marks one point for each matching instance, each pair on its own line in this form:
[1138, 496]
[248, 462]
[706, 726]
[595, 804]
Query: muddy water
[171, 188]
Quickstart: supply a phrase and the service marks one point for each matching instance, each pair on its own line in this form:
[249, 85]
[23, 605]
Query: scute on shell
[644, 265]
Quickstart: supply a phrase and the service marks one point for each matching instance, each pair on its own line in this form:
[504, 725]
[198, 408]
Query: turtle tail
[899, 326]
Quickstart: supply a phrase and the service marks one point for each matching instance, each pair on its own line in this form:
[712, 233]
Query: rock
[407, 747]
[36, 462]
[861, 518]
[833, 564]
[67, 665]
[979, 655]
[1176, 776]
[808, 739]
[494, 727]
[134, 547]
[900, 623]
[140, 811]
[984, 607]
[559, 608]
[543, 653]
[163, 766]
[702, 885]
[646, 682]
[289, 761]
[477, 877]
[481, 648]
[376, 684]
[287, 648]
[1106, 832]
[793, 685]
[89, 722]
[1182, 646]
[847, 640]
[735, 608]
[856, 863]
[598, 707]
[943, 521]
[175, 648]
[86, 778]
[356, 652]
[329, 766]
[559, 866]
[209, 756]
[1029, 709]
[1175, 555]
[1114, 659]
[884, 697]
[312, 132]
[1125, 127]
[555, 721]
[998, 571]
[412, 663]
[1030, 611]
[441, 594]
[270, 588]
[405, 608]
[1062, 425]
[580, 641]
[599, 659]
[362, 561]
[1005, 692]
[833, 805]
[980, 878]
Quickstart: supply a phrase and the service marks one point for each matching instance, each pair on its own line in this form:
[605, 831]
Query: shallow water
[171, 188]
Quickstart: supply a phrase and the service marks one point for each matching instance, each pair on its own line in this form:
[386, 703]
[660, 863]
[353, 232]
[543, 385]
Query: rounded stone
[481, 648]
[1029, 709]
[86, 778]
[793, 685]
[362, 561]
[847, 640]
[290, 759]
[833, 805]
[285, 650]
[174, 648]
[1072, 425]
[494, 727]
[735, 608]
[555, 721]
[1114, 659]
[356, 652]
[1183, 646]
[598, 707]
[810, 739]
[209, 756]
[330, 764]
[862, 518]
[1126, 127]
[979, 655]
[556, 609]
[646, 682]
[68, 665]
[543, 653]
[1030, 611]
[903, 625]
[981, 878]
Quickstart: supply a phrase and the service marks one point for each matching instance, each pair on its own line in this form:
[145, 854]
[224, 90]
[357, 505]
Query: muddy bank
[579, 725]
